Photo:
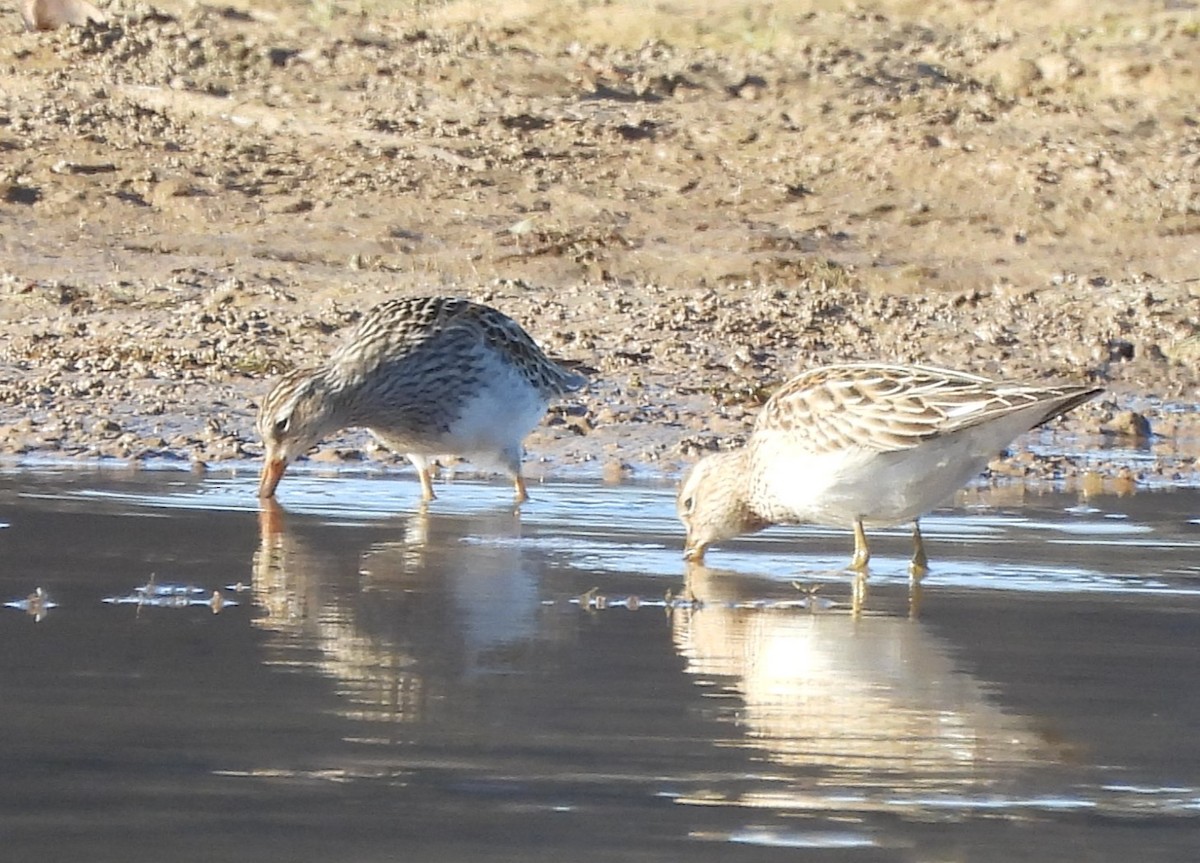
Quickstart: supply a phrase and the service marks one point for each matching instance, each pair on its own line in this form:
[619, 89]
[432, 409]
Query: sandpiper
[427, 377]
[862, 445]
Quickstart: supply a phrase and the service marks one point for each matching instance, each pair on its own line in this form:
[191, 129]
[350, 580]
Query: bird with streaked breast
[427, 376]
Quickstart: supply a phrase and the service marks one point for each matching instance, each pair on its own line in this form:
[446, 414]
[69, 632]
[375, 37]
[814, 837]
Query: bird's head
[712, 503]
[291, 420]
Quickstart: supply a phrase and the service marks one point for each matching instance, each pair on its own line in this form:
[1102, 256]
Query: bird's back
[448, 335]
[886, 443]
[895, 407]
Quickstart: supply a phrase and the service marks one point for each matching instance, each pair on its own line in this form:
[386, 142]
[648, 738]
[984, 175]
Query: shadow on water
[399, 683]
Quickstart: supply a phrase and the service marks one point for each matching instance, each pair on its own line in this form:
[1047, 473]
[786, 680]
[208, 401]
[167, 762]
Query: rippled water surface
[375, 683]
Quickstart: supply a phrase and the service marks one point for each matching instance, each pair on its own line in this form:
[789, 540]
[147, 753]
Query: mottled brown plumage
[427, 376]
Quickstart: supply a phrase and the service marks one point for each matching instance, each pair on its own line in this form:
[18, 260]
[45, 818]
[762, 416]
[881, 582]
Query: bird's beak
[272, 472]
[693, 552]
[270, 520]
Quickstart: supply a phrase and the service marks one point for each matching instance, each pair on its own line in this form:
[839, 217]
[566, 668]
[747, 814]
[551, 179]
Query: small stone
[1092, 483]
[288, 204]
[1128, 424]
[616, 471]
[336, 455]
[173, 187]
[579, 425]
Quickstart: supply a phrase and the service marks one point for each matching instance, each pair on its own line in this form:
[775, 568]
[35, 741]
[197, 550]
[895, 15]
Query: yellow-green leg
[424, 474]
[426, 484]
[862, 554]
[919, 565]
[858, 593]
[915, 593]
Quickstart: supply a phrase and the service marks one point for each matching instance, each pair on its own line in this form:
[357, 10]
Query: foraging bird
[427, 377]
[862, 445]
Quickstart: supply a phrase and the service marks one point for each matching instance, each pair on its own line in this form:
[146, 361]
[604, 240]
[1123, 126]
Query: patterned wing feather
[896, 407]
[508, 338]
[395, 330]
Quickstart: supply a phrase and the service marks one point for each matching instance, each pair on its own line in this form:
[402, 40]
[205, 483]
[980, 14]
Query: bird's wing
[896, 407]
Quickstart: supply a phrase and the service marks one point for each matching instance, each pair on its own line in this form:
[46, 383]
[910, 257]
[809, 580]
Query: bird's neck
[345, 393]
[752, 518]
[739, 468]
[332, 399]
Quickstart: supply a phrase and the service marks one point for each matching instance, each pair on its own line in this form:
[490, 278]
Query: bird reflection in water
[396, 612]
[867, 701]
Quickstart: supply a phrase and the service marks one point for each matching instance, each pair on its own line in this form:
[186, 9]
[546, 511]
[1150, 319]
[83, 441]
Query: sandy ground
[696, 200]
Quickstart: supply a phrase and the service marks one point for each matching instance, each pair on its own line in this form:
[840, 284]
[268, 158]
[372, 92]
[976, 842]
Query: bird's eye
[282, 425]
[687, 504]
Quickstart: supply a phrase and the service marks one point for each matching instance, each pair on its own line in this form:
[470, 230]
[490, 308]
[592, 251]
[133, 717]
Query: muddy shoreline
[194, 199]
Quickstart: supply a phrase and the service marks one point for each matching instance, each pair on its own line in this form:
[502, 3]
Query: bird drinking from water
[427, 377]
[862, 445]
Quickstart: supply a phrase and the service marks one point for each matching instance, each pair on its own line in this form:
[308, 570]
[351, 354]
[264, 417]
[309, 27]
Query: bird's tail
[572, 375]
[1071, 398]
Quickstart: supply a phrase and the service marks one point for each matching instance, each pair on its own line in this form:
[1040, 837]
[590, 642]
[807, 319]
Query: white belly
[491, 423]
[497, 419]
[790, 484]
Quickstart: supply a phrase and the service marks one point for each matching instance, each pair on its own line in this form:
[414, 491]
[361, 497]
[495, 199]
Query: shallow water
[398, 686]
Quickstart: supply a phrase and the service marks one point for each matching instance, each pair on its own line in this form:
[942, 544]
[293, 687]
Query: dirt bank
[195, 198]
